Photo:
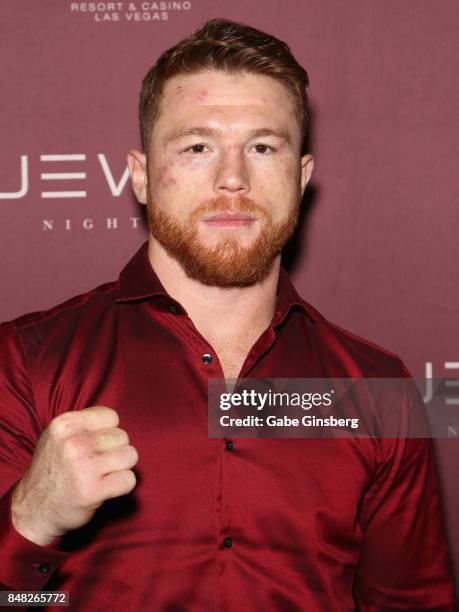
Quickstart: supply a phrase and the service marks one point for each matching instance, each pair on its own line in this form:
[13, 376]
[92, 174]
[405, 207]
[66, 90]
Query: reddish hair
[231, 47]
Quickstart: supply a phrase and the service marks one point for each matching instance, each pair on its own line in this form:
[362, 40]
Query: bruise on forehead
[203, 95]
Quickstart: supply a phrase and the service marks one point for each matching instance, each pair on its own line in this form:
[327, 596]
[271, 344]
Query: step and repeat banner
[377, 249]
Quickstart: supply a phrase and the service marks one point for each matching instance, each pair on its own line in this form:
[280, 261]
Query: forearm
[24, 565]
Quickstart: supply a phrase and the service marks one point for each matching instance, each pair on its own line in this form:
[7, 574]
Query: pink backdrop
[378, 249]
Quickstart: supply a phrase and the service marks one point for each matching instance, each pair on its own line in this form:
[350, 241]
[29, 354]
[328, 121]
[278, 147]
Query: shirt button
[43, 568]
[173, 309]
[229, 444]
[207, 358]
[228, 542]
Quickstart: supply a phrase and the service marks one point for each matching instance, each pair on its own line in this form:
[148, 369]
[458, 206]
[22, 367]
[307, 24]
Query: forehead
[216, 95]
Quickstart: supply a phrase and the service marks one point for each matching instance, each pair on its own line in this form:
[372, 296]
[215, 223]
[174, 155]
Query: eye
[263, 148]
[196, 148]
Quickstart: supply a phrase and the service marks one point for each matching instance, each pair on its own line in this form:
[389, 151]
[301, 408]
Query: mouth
[228, 219]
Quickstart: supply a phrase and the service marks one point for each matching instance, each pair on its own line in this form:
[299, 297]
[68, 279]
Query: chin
[213, 237]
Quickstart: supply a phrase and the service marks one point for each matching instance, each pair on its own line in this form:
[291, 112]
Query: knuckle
[113, 437]
[76, 447]
[109, 413]
[69, 450]
[131, 454]
[130, 480]
[100, 415]
[123, 435]
[60, 425]
[122, 484]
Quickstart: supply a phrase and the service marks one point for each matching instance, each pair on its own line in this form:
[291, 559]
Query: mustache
[239, 203]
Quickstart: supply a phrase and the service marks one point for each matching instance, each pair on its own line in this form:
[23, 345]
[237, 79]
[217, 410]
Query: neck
[219, 313]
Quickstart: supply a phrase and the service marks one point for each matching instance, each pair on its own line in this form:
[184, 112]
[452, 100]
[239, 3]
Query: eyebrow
[208, 131]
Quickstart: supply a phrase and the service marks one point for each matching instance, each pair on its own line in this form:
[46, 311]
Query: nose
[232, 176]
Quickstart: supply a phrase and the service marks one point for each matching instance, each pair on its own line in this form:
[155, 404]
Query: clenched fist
[81, 459]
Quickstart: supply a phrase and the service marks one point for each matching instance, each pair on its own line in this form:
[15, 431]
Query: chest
[157, 382]
[231, 360]
[232, 352]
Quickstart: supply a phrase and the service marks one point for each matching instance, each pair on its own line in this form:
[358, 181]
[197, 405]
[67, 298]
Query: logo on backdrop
[53, 181]
[128, 12]
[450, 391]
[57, 182]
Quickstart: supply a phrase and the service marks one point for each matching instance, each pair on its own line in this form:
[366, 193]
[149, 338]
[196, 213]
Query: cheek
[291, 174]
[174, 173]
[193, 165]
[281, 187]
[163, 178]
[281, 178]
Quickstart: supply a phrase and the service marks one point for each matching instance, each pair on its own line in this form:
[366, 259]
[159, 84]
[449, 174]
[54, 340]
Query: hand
[81, 459]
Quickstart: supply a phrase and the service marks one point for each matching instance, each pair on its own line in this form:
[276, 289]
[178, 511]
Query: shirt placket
[227, 450]
[226, 542]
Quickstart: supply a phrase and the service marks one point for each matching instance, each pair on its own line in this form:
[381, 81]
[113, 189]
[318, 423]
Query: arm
[24, 565]
[405, 563]
[52, 481]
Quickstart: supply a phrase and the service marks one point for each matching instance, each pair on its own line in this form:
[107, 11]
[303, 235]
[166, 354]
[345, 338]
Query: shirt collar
[139, 281]
[288, 299]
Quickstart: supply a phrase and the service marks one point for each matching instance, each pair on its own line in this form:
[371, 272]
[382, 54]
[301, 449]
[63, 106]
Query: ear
[137, 164]
[307, 166]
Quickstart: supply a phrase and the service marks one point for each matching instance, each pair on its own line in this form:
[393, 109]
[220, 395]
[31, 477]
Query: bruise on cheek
[164, 178]
[185, 162]
[290, 172]
[168, 182]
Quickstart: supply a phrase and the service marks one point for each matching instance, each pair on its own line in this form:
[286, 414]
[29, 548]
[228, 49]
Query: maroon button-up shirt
[259, 524]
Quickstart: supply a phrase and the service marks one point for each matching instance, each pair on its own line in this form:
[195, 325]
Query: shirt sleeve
[24, 565]
[405, 561]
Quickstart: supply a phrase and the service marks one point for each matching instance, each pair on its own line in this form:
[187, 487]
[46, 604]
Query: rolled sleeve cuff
[24, 565]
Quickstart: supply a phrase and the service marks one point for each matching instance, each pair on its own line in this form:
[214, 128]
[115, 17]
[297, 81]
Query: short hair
[225, 45]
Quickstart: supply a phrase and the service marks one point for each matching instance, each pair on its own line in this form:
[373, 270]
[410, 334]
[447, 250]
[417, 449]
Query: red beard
[228, 264]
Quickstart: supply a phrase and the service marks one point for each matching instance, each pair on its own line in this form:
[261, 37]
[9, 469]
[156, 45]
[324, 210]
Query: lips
[229, 218]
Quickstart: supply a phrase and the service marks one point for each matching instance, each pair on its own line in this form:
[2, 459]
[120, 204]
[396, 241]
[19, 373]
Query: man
[112, 489]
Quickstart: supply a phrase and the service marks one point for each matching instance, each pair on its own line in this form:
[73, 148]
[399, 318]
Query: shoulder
[355, 355]
[63, 316]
